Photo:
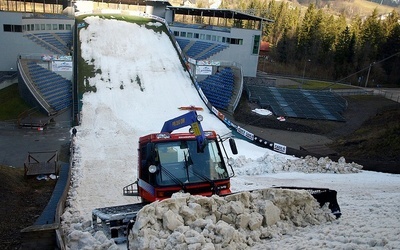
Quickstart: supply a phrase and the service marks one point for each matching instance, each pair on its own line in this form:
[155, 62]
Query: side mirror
[232, 144]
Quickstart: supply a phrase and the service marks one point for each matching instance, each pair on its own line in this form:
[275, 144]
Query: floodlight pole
[369, 70]
[304, 71]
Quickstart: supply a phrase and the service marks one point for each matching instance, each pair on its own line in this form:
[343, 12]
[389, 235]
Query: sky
[141, 85]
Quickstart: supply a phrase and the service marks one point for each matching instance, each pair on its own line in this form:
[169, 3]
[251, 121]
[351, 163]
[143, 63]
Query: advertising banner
[62, 65]
[203, 70]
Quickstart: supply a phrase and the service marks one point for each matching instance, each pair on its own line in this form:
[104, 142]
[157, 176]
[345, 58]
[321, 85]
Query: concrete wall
[14, 44]
[8, 82]
[242, 54]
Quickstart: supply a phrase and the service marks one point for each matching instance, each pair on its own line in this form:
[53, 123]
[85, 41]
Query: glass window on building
[32, 27]
[28, 27]
[214, 38]
[68, 27]
[42, 26]
[12, 28]
[189, 35]
[37, 26]
[202, 37]
[256, 44]
[55, 26]
[208, 37]
[236, 41]
[48, 26]
[61, 27]
[7, 27]
[196, 35]
[183, 34]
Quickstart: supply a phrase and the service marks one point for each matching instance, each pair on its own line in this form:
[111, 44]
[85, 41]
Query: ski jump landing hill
[259, 141]
[139, 84]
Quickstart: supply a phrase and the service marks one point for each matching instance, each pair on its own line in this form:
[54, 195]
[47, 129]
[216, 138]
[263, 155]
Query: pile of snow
[265, 112]
[273, 163]
[322, 165]
[237, 221]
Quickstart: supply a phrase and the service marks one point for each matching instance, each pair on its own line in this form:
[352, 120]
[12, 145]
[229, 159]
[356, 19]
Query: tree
[372, 36]
[285, 49]
[344, 54]
[390, 22]
[286, 20]
[307, 32]
[390, 51]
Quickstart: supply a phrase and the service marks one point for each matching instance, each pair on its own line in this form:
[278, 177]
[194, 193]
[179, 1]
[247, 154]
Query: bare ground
[23, 198]
[22, 201]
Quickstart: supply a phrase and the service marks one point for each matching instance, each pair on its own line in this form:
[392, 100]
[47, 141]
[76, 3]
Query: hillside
[377, 139]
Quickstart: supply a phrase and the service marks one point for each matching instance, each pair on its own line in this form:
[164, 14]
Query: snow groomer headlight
[152, 169]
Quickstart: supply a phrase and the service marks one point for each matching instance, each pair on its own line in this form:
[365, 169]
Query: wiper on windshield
[173, 178]
[187, 164]
[201, 176]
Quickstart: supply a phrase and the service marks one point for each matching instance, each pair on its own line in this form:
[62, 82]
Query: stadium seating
[56, 90]
[200, 50]
[218, 88]
[58, 43]
[182, 42]
[308, 104]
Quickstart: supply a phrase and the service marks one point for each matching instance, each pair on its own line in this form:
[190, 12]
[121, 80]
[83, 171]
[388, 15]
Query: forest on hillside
[327, 43]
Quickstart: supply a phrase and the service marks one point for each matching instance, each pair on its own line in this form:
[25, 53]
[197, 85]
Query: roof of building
[222, 13]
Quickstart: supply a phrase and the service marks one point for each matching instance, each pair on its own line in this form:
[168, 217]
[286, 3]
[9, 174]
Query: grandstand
[44, 88]
[54, 88]
[219, 88]
[220, 39]
[39, 48]
[200, 50]
[58, 43]
[307, 104]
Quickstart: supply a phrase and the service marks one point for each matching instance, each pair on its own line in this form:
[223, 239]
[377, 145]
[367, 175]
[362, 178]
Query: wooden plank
[41, 168]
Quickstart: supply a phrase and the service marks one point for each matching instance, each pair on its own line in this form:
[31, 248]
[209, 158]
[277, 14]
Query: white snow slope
[141, 85]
